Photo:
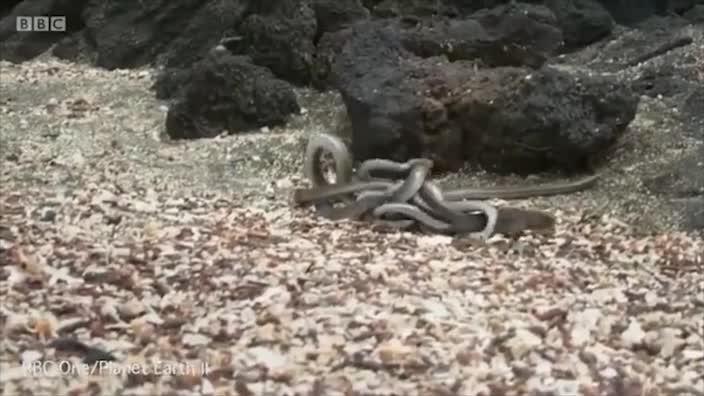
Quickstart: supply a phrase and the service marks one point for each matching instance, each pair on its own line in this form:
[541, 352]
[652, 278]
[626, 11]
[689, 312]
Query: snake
[461, 210]
[392, 200]
[521, 192]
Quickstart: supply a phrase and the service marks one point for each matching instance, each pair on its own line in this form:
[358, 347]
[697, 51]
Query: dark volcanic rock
[424, 8]
[630, 11]
[657, 62]
[404, 98]
[351, 51]
[692, 210]
[7, 6]
[279, 34]
[695, 14]
[506, 36]
[692, 113]
[517, 34]
[694, 104]
[226, 92]
[396, 8]
[582, 21]
[76, 47]
[171, 81]
[661, 80]
[683, 6]
[682, 180]
[333, 15]
[19, 46]
[470, 40]
[212, 21]
[506, 119]
[654, 38]
[130, 34]
[683, 185]
[527, 121]
[133, 33]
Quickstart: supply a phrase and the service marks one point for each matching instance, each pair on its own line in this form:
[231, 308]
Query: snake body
[520, 192]
[415, 199]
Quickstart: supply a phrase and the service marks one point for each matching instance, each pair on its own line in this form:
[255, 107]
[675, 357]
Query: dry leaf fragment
[44, 325]
[522, 342]
[131, 309]
[28, 263]
[394, 351]
[144, 331]
[192, 339]
[152, 230]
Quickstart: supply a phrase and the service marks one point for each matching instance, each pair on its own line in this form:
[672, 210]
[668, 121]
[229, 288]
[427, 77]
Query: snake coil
[406, 200]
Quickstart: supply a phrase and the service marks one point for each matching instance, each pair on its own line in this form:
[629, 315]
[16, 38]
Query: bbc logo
[41, 24]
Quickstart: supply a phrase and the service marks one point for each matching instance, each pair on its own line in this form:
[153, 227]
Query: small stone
[633, 335]
[49, 215]
[192, 339]
[523, 342]
[693, 354]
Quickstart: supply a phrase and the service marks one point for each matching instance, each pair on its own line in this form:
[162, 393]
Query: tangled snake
[414, 200]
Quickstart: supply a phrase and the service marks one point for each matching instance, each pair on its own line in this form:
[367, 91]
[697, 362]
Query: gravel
[187, 257]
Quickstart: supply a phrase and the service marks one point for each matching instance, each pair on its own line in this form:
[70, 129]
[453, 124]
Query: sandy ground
[180, 254]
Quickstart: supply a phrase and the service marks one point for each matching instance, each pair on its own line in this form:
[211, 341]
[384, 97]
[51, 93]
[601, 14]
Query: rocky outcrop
[279, 35]
[223, 93]
[445, 89]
